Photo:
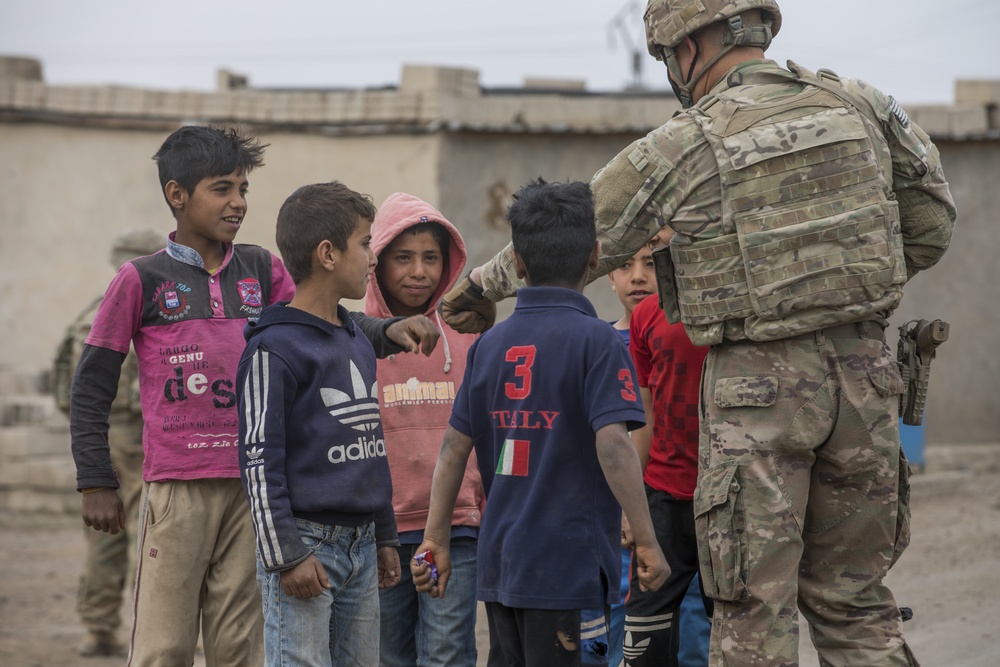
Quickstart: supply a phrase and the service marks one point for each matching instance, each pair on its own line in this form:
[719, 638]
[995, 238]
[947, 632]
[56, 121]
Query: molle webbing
[807, 221]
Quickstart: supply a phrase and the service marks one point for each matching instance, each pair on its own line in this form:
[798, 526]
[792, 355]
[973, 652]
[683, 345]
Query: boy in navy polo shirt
[547, 401]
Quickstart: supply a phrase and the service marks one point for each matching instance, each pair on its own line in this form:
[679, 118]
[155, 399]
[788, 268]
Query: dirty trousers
[197, 564]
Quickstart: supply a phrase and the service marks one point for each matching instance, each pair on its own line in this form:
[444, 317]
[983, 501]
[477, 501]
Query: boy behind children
[669, 626]
[420, 257]
[547, 401]
[311, 443]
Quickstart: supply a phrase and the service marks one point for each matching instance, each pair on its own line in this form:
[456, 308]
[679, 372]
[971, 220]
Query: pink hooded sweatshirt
[417, 392]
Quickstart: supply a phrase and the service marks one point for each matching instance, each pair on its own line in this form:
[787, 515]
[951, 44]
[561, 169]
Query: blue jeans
[423, 631]
[340, 627]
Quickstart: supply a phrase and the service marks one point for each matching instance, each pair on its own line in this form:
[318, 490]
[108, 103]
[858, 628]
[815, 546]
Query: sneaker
[101, 643]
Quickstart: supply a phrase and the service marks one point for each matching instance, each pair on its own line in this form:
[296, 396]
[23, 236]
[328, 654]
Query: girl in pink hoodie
[420, 257]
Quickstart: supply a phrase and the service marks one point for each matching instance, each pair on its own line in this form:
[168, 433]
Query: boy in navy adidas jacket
[312, 452]
[547, 400]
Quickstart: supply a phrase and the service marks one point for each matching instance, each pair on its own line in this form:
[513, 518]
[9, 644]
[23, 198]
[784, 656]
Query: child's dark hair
[195, 152]
[552, 228]
[316, 213]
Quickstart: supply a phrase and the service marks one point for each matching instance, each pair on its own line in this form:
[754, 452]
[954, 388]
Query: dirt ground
[949, 575]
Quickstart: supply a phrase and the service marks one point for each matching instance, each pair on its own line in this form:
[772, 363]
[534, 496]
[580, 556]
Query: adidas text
[356, 451]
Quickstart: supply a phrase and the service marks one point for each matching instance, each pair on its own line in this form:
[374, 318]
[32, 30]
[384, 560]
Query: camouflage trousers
[109, 565]
[802, 500]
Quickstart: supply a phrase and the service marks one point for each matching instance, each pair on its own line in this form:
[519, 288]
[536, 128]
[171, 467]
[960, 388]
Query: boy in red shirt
[668, 371]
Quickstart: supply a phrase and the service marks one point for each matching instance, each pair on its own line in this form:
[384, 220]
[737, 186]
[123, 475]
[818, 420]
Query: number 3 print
[525, 354]
[625, 376]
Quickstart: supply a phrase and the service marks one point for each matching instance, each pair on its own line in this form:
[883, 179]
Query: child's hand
[628, 539]
[651, 566]
[305, 580]
[423, 580]
[103, 510]
[388, 567]
[416, 334]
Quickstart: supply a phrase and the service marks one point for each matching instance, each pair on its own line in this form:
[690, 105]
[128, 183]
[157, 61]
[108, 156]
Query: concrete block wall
[953, 120]
[36, 467]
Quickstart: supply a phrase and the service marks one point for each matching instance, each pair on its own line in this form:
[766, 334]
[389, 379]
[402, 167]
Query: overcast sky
[912, 49]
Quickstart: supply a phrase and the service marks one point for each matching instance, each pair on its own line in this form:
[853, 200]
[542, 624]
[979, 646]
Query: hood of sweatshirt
[417, 392]
[398, 213]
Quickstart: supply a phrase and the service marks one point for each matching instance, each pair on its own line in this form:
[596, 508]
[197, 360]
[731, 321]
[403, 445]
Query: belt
[863, 330]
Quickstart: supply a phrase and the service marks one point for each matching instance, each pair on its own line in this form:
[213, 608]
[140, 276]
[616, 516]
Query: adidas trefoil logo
[359, 411]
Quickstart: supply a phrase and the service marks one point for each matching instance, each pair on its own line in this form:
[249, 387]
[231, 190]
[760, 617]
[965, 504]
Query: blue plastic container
[912, 439]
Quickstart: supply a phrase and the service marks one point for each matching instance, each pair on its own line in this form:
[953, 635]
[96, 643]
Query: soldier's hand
[466, 309]
[104, 510]
[416, 333]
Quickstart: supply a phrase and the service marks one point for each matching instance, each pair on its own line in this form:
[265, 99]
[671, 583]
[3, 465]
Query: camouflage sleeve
[926, 208]
[499, 277]
[634, 196]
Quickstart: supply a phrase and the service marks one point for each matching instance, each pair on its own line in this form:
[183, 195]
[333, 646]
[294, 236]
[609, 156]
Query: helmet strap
[739, 35]
[681, 90]
[754, 35]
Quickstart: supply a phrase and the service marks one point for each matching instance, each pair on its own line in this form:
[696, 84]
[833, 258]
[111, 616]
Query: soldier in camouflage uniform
[801, 205]
[109, 560]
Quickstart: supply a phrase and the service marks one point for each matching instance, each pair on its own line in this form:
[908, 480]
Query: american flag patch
[898, 112]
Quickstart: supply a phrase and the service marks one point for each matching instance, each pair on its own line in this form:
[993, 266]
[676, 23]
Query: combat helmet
[668, 22]
[134, 243]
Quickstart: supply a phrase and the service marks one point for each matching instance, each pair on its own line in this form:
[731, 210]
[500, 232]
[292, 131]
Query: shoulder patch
[898, 112]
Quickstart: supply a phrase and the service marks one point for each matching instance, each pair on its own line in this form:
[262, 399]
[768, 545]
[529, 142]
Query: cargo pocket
[886, 379]
[902, 509]
[721, 531]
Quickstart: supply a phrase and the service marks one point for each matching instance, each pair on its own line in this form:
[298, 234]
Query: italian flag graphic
[514, 458]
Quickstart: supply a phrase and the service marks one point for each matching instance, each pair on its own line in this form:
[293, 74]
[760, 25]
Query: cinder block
[17, 67]
[61, 98]
[28, 94]
[129, 101]
[968, 120]
[50, 472]
[252, 107]
[282, 107]
[168, 105]
[218, 105]
[26, 409]
[309, 106]
[15, 381]
[33, 500]
[977, 91]
[103, 101]
[18, 442]
[934, 119]
[442, 80]
[191, 103]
